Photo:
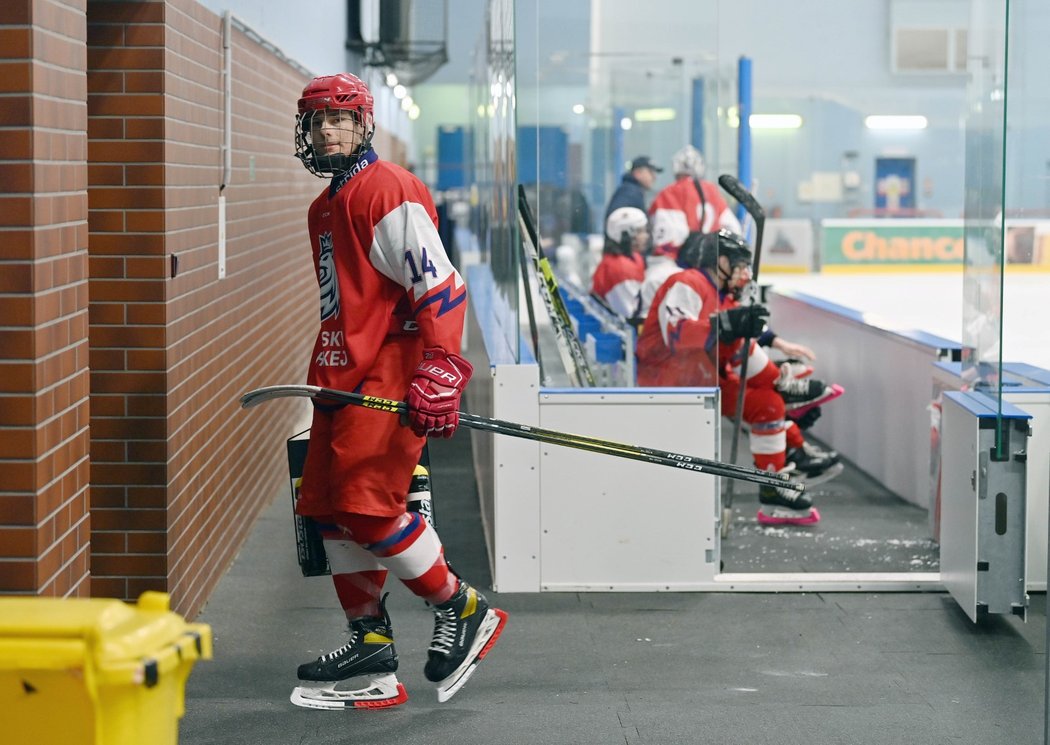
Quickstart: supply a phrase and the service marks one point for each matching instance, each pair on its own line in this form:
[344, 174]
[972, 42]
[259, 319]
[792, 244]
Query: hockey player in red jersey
[693, 336]
[392, 310]
[619, 274]
[688, 205]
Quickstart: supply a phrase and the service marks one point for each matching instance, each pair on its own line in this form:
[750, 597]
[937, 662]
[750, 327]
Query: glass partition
[984, 219]
[493, 192]
[1007, 200]
[883, 161]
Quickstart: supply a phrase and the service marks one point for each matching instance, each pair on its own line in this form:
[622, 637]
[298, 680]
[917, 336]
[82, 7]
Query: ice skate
[802, 394]
[814, 465]
[781, 506]
[358, 675]
[811, 460]
[465, 629]
[796, 410]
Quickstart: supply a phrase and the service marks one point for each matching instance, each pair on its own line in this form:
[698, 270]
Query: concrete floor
[605, 668]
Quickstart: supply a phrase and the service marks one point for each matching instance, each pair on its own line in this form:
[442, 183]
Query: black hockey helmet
[701, 250]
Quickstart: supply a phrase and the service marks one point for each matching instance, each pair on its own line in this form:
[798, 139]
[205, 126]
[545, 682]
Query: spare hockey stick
[528, 432]
[740, 193]
[572, 355]
[737, 190]
[533, 330]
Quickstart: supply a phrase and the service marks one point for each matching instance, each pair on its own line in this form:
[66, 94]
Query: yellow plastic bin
[95, 671]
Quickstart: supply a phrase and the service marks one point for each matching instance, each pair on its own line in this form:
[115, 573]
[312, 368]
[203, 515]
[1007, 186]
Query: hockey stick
[527, 289]
[572, 355]
[527, 432]
[737, 190]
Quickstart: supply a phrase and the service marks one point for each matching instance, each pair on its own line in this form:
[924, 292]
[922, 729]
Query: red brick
[105, 221]
[146, 221]
[108, 587]
[125, 58]
[143, 35]
[16, 211]
[18, 576]
[143, 82]
[136, 11]
[104, 151]
[16, 42]
[143, 128]
[121, 104]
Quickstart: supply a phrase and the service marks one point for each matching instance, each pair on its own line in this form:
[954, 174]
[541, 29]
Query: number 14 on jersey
[425, 265]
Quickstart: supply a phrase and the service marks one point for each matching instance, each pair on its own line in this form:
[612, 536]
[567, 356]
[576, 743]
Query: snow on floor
[933, 302]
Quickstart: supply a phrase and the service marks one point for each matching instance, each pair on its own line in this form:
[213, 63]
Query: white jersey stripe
[346, 557]
[415, 560]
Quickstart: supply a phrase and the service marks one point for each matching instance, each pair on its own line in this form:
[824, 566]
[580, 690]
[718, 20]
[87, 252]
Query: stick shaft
[740, 193]
[524, 431]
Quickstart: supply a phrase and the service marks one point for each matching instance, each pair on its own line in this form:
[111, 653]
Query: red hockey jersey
[382, 271]
[678, 345]
[677, 211]
[617, 281]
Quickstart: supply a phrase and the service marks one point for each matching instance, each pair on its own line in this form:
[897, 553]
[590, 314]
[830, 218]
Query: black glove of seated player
[744, 321]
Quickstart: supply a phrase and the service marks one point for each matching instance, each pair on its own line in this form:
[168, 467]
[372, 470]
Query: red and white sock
[357, 574]
[408, 547]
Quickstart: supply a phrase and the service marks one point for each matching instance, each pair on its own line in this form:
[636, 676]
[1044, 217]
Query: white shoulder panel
[407, 249]
[681, 303]
[669, 227]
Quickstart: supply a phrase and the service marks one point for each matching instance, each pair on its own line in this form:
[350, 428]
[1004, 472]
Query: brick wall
[44, 524]
[111, 164]
[255, 327]
[179, 473]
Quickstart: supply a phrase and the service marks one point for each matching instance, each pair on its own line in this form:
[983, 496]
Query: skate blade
[832, 392]
[491, 628]
[789, 517]
[825, 476]
[360, 692]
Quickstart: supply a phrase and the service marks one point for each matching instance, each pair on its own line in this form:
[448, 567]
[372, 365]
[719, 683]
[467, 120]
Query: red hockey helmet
[341, 91]
[341, 102]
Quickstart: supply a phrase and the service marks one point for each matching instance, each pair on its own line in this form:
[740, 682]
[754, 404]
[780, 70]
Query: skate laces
[444, 630]
[793, 386]
[802, 387]
[343, 649]
[792, 473]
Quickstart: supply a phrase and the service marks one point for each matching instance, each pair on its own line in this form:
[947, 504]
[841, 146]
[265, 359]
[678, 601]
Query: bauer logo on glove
[434, 394]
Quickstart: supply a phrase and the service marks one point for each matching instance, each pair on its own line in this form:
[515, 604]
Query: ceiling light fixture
[895, 122]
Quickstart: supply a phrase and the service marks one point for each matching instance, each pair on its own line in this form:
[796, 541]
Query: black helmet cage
[321, 165]
[701, 251]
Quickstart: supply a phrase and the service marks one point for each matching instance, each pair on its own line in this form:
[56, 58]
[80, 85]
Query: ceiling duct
[406, 37]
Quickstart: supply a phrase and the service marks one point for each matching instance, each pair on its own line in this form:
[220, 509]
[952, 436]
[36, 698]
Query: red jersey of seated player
[618, 280]
[677, 345]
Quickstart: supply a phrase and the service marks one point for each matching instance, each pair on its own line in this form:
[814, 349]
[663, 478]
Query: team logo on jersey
[326, 278]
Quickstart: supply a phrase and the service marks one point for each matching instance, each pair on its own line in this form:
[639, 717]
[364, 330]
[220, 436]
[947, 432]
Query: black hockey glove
[745, 321]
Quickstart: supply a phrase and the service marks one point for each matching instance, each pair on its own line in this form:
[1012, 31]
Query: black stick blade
[737, 190]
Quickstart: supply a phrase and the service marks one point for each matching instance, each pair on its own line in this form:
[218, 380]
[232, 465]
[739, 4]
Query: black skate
[811, 460]
[358, 675]
[781, 506]
[465, 629]
[802, 394]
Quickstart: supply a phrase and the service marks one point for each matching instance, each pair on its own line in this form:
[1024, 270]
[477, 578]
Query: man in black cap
[631, 191]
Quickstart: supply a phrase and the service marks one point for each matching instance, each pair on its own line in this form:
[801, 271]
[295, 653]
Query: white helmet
[688, 161]
[627, 220]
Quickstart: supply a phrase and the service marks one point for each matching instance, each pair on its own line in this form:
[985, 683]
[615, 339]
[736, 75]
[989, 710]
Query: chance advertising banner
[856, 245]
[917, 245]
